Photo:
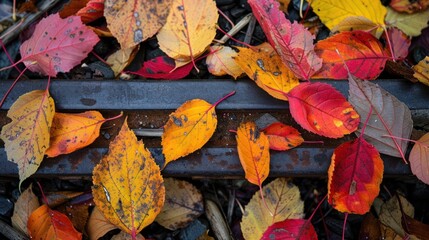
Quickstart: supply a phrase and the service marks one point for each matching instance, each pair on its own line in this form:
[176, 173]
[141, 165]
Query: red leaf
[400, 43]
[93, 10]
[163, 67]
[290, 229]
[354, 176]
[57, 45]
[321, 109]
[292, 41]
[282, 137]
[363, 54]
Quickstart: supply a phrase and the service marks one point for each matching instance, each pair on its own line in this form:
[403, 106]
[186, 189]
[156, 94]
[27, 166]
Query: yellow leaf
[133, 21]
[120, 59]
[183, 204]
[254, 152]
[26, 138]
[190, 28]
[71, 132]
[266, 68]
[220, 62]
[128, 186]
[356, 23]
[421, 71]
[24, 206]
[282, 197]
[332, 12]
[410, 24]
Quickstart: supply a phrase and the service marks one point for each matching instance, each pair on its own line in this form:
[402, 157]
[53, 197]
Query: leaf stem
[222, 99]
[390, 44]
[403, 139]
[8, 55]
[11, 87]
[344, 226]
[115, 117]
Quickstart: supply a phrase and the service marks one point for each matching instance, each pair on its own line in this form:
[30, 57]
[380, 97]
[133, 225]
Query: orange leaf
[266, 68]
[220, 62]
[321, 109]
[254, 152]
[419, 159]
[128, 186]
[190, 28]
[282, 137]
[70, 132]
[354, 176]
[133, 21]
[88, 10]
[45, 223]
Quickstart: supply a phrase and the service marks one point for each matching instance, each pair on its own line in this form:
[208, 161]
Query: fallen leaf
[400, 43]
[282, 197]
[45, 223]
[55, 199]
[292, 41]
[291, 229]
[419, 159]
[221, 62]
[57, 45]
[254, 152]
[415, 227]
[354, 23]
[189, 128]
[24, 206]
[370, 228]
[282, 137]
[421, 71]
[88, 10]
[77, 213]
[132, 22]
[363, 54]
[98, 225]
[410, 24]
[163, 67]
[190, 28]
[72, 7]
[391, 215]
[409, 6]
[120, 59]
[354, 176]
[332, 12]
[389, 116]
[73, 131]
[321, 109]
[26, 138]
[266, 68]
[128, 186]
[183, 204]
[125, 236]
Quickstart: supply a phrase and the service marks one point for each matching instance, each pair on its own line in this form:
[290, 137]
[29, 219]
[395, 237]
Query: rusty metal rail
[167, 95]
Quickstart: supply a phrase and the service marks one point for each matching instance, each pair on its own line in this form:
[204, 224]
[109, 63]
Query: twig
[148, 132]
[250, 30]
[240, 25]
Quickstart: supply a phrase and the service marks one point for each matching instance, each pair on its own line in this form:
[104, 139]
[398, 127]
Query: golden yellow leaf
[120, 59]
[356, 23]
[410, 24]
[254, 152]
[134, 21]
[266, 68]
[26, 138]
[183, 204]
[128, 186]
[24, 206]
[190, 28]
[281, 197]
[73, 131]
[220, 62]
[421, 71]
[332, 12]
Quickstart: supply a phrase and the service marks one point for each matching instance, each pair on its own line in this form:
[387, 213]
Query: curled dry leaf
[363, 54]
[421, 71]
[26, 138]
[132, 22]
[57, 45]
[282, 137]
[128, 186]
[221, 62]
[183, 204]
[410, 24]
[254, 153]
[24, 206]
[321, 109]
[391, 215]
[45, 223]
[190, 28]
[120, 59]
[419, 159]
[291, 229]
[266, 68]
[283, 200]
[354, 176]
[73, 131]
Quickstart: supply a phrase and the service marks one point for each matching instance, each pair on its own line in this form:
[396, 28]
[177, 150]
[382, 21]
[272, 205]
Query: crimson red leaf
[292, 41]
[57, 45]
[163, 67]
[297, 229]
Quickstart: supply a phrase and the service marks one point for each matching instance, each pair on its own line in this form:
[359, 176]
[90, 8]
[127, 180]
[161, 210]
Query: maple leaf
[292, 41]
[26, 138]
[128, 186]
[132, 22]
[291, 229]
[57, 45]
